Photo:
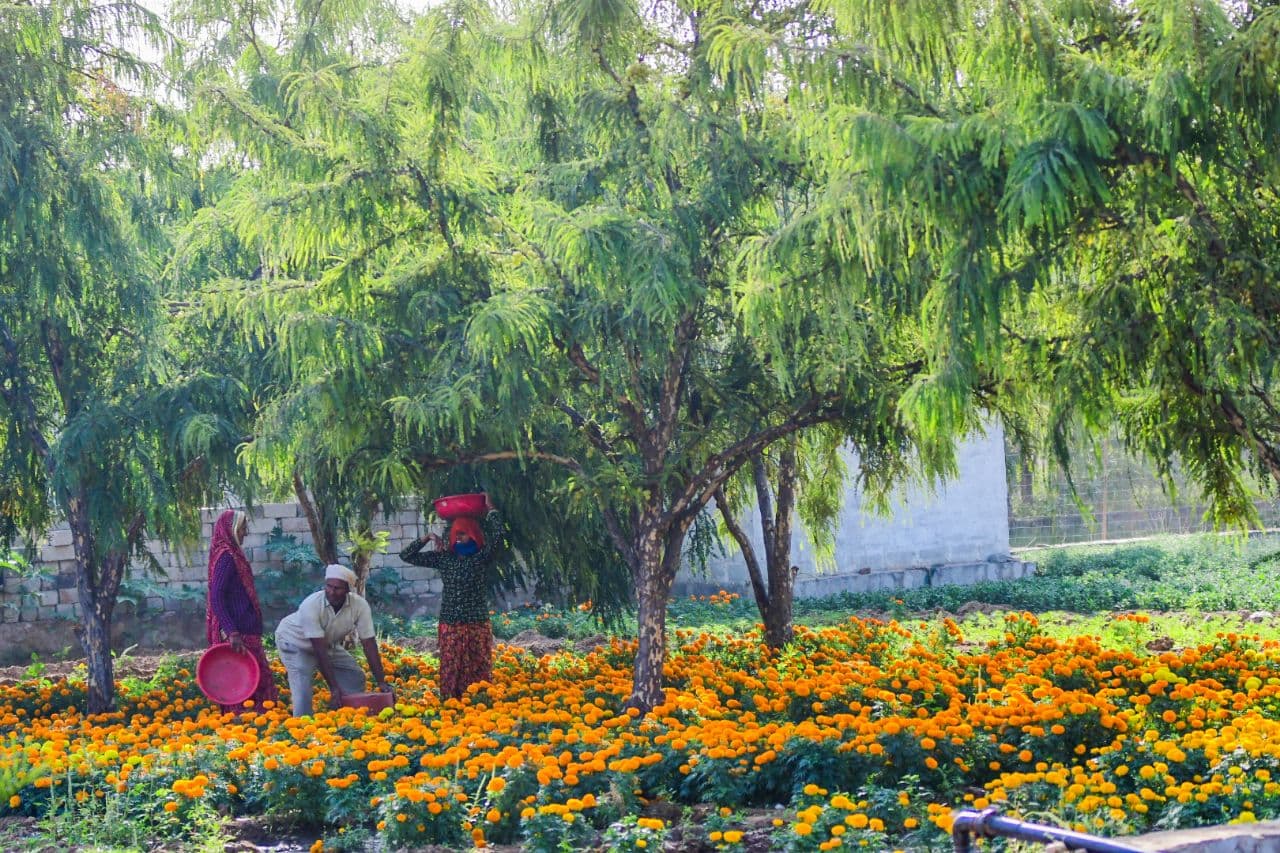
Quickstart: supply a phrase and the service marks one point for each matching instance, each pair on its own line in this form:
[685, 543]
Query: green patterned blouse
[465, 578]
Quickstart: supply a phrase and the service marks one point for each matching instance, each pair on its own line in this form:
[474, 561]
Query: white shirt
[315, 619]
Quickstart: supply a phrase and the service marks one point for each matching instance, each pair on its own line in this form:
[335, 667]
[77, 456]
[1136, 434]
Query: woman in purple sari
[233, 614]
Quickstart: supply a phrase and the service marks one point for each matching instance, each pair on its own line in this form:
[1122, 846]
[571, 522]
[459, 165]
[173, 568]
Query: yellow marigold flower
[803, 829]
[496, 784]
[15, 801]
[733, 836]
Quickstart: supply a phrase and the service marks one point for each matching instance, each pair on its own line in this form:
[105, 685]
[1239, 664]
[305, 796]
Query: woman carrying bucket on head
[233, 614]
[466, 635]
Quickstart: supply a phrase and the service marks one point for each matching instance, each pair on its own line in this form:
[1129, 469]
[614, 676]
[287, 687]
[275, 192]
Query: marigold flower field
[867, 733]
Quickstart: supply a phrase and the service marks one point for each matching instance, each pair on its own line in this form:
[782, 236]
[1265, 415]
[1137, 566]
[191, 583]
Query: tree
[103, 427]
[358, 240]
[1094, 183]
[566, 240]
[804, 478]
[657, 358]
[773, 588]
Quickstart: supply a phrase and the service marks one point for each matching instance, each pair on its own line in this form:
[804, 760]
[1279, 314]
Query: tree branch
[578, 359]
[748, 552]
[620, 541]
[590, 428]
[1133, 156]
[1239, 424]
[764, 501]
[573, 352]
[500, 456]
[721, 466]
[673, 380]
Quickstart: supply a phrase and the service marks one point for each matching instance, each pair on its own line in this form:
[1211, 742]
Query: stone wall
[39, 613]
[958, 533]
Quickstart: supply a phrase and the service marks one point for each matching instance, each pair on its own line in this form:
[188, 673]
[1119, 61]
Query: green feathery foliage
[104, 425]
[1083, 193]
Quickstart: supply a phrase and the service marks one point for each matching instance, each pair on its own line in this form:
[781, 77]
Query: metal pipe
[968, 824]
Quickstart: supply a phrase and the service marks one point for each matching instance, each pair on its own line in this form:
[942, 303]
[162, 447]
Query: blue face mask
[465, 549]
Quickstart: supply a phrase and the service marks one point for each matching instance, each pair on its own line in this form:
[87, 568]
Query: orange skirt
[466, 656]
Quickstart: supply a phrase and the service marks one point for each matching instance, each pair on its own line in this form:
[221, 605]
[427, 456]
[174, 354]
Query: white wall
[965, 520]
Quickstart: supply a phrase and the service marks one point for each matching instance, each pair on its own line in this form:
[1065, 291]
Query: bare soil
[141, 664]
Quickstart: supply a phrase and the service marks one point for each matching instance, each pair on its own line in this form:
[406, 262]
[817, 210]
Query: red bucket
[372, 701]
[457, 506]
[226, 676]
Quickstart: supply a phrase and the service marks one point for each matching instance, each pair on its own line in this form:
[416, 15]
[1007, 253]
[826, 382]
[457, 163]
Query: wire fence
[1119, 498]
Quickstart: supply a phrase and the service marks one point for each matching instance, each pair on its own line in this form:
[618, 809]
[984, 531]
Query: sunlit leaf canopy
[1084, 193]
[528, 233]
[96, 407]
[595, 256]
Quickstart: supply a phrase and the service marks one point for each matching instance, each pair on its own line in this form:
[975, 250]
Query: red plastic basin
[226, 676]
[372, 701]
[457, 506]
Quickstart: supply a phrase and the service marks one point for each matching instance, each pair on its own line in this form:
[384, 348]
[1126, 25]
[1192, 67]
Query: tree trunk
[651, 615]
[95, 618]
[775, 605]
[759, 588]
[320, 520]
[658, 560]
[362, 557]
[96, 591]
[774, 588]
[778, 627]
[360, 562]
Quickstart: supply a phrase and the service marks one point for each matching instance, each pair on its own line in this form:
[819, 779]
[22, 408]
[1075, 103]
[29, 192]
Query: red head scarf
[469, 526]
[224, 542]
